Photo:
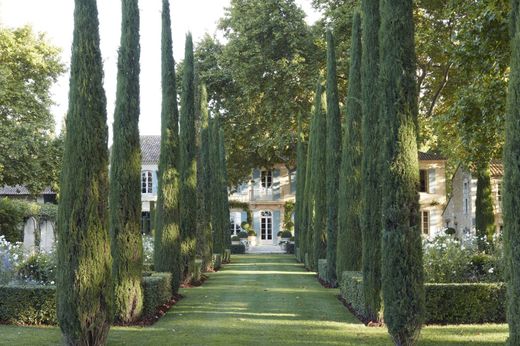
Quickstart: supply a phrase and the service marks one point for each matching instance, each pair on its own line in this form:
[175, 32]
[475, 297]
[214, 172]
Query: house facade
[459, 213]
[268, 191]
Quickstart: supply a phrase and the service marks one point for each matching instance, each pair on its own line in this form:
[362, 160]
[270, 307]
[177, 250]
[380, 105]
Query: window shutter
[276, 223]
[431, 180]
[243, 217]
[155, 182]
[276, 184]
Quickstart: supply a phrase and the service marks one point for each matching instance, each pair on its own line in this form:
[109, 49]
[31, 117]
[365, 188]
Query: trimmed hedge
[157, 289]
[28, 304]
[351, 289]
[322, 270]
[306, 261]
[461, 303]
[238, 249]
[451, 303]
[197, 270]
[217, 261]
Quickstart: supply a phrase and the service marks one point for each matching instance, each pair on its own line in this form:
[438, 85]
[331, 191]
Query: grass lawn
[262, 300]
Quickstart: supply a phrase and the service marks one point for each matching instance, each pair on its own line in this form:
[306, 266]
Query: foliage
[349, 251]
[448, 260]
[245, 207]
[323, 271]
[465, 303]
[238, 249]
[157, 290]
[251, 233]
[84, 256]
[11, 254]
[39, 269]
[333, 158]
[301, 160]
[259, 80]
[148, 248]
[288, 208]
[402, 270]
[28, 304]
[125, 174]
[243, 235]
[484, 213]
[188, 162]
[511, 198]
[371, 174]
[218, 224]
[167, 242]
[223, 189]
[30, 153]
[13, 212]
[289, 248]
[286, 234]
[351, 289]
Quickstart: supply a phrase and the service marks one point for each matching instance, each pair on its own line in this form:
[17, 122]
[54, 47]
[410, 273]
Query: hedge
[322, 270]
[238, 249]
[227, 256]
[298, 255]
[351, 289]
[157, 289]
[289, 248]
[450, 303]
[217, 261]
[461, 303]
[196, 270]
[28, 305]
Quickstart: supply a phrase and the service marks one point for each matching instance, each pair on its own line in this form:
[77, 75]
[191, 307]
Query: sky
[55, 18]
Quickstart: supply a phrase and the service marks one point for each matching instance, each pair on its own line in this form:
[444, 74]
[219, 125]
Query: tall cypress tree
[484, 215]
[511, 198]
[349, 199]
[300, 184]
[402, 261]
[319, 183]
[203, 183]
[215, 180]
[167, 244]
[224, 204]
[333, 157]
[370, 166]
[84, 278]
[125, 174]
[188, 161]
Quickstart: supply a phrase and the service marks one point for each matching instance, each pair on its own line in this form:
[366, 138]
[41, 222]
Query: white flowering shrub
[147, 249]
[11, 254]
[447, 259]
[38, 269]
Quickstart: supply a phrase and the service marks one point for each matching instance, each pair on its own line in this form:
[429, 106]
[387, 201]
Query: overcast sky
[55, 17]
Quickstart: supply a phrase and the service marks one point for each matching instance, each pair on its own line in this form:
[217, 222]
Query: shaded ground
[261, 300]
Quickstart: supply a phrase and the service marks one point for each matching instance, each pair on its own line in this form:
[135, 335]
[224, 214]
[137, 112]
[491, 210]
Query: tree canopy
[30, 153]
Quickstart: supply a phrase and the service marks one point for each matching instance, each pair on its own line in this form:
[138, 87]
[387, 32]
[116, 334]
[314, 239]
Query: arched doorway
[266, 227]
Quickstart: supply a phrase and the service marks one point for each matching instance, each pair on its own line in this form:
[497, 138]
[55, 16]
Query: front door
[266, 227]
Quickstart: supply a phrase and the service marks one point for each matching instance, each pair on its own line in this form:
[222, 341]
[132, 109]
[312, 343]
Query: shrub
[465, 303]
[286, 234]
[289, 248]
[450, 231]
[147, 249]
[10, 256]
[238, 249]
[322, 270]
[39, 268]
[242, 234]
[251, 233]
[351, 289]
[217, 261]
[157, 289]
[28, 304]
[197, 270]
[235, 238]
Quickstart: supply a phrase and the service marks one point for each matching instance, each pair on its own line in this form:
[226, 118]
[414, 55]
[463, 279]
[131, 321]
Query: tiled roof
[430, 156]
[150, 149]
[21, 190]
[496, 169]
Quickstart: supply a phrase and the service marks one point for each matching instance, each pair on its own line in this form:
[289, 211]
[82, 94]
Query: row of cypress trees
[377, 204]
[100, 255]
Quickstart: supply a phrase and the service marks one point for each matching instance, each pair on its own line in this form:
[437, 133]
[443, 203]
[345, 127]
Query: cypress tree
[370, 175]
[511, 198]
[125, 174]
[203, 183]
[484, 215]
[167, 235]
[300, 185]
[188, 159]
[84, 277]
[224, 204]
[349, 199]
[216, 201]
[319, 183]
[333, 157]
[402, 261]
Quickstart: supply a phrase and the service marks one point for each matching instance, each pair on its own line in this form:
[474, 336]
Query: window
[266, 225]
[146, 182]
[423, 179]
[234, 229]
[425, 222]
[266, 179]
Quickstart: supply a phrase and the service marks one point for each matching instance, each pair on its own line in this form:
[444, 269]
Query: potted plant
[251, 237]
[235, 240]
[242, 235]
[285, 235]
